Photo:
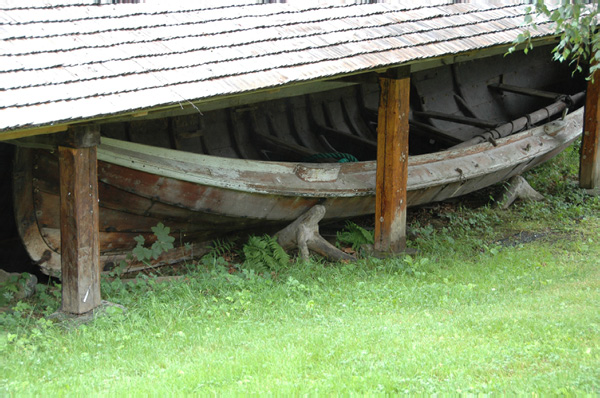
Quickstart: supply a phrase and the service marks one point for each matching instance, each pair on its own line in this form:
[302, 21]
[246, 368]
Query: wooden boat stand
[303, 234]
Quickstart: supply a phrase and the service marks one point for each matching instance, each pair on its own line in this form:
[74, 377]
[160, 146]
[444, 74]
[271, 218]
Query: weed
[16, 287]
[478, 222]
[264, 254]
[8, 289]
[163, 243]
[415, 266]
[355, 235]
[221, 247]
[215, 264]
[48, 297]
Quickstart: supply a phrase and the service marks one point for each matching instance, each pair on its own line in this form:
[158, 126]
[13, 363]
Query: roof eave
[264, 94]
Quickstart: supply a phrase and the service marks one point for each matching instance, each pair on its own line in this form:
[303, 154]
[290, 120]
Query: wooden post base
[105, 307]
[593, 192]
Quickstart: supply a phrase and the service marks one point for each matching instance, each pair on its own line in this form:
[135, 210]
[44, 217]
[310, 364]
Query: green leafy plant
[48, 296]
[8, 290]
[415, 266]
[163, 243]
[15, 287]
[112, 284]
[221, 247]
[576, 23]
[263, 253]
[355, 235]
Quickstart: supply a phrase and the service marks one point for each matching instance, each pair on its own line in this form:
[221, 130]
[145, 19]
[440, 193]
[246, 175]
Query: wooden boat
[261, 165]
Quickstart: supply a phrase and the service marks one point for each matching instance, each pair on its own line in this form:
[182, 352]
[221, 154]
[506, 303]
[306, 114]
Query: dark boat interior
[449, 104]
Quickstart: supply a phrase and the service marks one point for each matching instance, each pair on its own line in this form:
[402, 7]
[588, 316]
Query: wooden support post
[79, 220]
[589, 169]
[392, 163]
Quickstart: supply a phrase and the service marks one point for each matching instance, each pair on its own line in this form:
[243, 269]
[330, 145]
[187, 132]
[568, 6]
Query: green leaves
[163, 243]
[355, 235]
[222, 246]
[263, 253]
[576, 24]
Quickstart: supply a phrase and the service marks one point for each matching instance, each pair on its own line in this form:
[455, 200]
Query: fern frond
[221, 246]
[355, 235]
[263, 253]
[279, 253]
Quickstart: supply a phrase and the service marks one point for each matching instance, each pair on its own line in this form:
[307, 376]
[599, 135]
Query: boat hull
[203, 197]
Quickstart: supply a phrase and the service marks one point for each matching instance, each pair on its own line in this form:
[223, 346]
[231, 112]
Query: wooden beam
[16, 134]
[589, 167]
[79, 220]
[392, 163]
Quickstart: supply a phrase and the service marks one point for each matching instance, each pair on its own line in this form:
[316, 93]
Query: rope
[339, 156]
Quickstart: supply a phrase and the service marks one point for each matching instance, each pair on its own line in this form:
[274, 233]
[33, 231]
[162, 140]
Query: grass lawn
[494, 301]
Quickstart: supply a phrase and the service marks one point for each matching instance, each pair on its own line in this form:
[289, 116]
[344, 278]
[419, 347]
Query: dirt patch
[523, 237]
[520, 238]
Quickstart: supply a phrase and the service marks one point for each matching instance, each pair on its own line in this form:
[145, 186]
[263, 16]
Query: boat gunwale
[334, 179]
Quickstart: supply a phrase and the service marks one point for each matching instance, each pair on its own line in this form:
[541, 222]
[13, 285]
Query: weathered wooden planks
[392, 163]
[79, 213]
[589, 172]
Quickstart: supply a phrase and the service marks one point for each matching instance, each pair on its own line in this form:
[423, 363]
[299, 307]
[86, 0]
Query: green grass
[465, 314]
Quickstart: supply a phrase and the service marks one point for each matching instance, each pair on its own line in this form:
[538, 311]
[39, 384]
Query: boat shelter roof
[68, 64]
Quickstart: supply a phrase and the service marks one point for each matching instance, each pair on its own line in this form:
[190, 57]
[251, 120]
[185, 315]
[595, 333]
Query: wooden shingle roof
[73, 63]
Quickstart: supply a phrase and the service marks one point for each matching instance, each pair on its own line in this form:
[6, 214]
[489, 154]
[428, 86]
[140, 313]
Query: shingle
[80, 62]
